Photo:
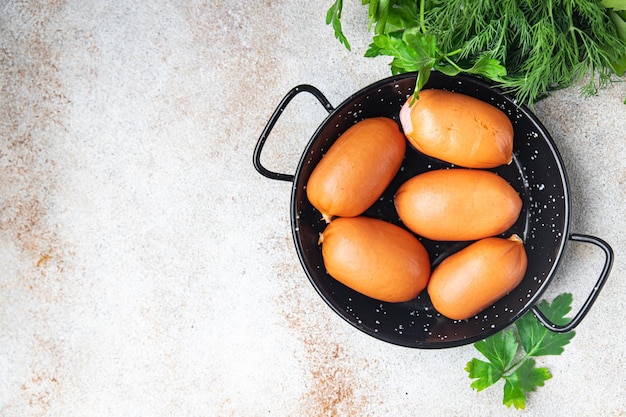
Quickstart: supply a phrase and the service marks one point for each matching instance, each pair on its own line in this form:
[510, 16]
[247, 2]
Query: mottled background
[146, 268]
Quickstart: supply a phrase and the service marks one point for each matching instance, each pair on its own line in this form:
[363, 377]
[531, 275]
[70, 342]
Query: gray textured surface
[146, 269]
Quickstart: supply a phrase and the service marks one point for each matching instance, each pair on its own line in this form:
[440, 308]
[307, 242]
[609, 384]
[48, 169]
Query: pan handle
[256, 158]
[608, 263]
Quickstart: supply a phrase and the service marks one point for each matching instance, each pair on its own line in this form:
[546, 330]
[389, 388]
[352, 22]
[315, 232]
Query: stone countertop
[147, 269]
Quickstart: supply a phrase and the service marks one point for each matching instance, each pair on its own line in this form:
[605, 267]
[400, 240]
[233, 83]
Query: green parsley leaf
[500, 349]
[513, 393]
[424, 45]
[531, 377]
[619, 21]
[333, 17]
[405, 59]
[411, 51]
[538, 340]
[484, 373]
[449, 70]
[390, 16]
[614, 4]
[427, 53]
[378, 12]
[526, 378]
[489, 68]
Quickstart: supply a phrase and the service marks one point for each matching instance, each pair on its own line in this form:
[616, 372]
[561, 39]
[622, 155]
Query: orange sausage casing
[457, 204]
[357, 168]
[474, 278]
[376, 258]
[458, 129]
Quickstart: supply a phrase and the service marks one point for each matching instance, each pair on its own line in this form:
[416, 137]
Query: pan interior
[536, 173]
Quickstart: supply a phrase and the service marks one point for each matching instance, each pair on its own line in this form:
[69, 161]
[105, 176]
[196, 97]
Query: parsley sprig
[415, 49]
[333, 17]
[527, 47]
[518, 369]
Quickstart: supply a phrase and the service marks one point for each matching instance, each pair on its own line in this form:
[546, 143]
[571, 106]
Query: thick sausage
[458, 129]
[472, 279]
[457, 204]
[357, 168]
[376, 258]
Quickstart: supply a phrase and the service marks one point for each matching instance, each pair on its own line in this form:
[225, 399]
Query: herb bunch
[526, 47]
[505, 359]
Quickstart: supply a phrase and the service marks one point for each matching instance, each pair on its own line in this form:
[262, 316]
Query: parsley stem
[526, 356]
[451, 62]
[422, 7]
[515, 365]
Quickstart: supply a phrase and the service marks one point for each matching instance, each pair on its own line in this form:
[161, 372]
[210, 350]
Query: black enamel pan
[537, 174]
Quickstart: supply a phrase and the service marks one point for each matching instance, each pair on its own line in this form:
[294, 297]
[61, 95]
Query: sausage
[467, 282]
[458, 129]
[376, 258]
[357, 168]
[457, 204]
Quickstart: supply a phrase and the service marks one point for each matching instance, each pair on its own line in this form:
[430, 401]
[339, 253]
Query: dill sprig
[544, 45]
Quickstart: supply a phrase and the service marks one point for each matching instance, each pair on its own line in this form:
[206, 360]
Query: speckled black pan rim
[416, 324]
